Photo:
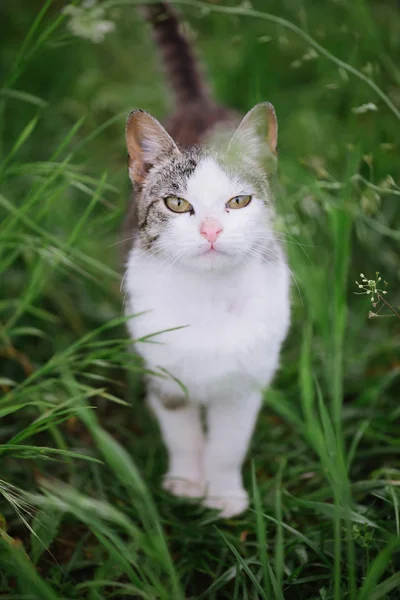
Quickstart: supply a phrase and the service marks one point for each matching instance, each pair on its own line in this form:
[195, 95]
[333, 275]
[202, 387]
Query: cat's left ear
[147, 143]
[256, 138]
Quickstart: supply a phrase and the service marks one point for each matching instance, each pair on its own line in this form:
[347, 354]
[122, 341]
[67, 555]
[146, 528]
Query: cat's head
[208, 207]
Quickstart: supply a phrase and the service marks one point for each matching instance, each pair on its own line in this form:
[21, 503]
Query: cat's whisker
[173, 261]
[274, 237]
[293, 276]
[133, 237]
[287, 236]
[147, 254]
[123, 280]
[258, 253]
[250, 255]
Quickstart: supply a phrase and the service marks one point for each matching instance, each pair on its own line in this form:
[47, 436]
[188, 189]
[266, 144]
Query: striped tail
[181, 65]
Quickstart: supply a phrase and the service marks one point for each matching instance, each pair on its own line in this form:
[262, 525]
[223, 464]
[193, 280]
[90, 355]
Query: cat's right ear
[147, 143]
[256, 138]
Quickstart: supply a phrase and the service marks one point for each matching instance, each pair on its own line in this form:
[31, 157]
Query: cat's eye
[178, 205]
[239, 201]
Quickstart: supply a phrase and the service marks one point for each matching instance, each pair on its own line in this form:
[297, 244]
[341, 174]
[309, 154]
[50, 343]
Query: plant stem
[388, 305]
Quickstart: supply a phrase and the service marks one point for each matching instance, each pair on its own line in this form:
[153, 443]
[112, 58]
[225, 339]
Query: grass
[82, 513]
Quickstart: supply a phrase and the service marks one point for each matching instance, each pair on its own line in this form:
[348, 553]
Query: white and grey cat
[206, 265]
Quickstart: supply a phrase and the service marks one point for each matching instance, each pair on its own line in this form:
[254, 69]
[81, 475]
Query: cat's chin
[213, 259]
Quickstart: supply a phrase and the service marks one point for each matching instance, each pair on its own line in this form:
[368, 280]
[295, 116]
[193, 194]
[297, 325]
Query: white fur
[234, 309]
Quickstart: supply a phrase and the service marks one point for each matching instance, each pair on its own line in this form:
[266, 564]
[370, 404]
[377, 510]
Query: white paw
[229, 506]
[184, 488]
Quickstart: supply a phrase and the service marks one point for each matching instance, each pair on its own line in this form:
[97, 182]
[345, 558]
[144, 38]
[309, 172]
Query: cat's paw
[184, 488]
[229, 505]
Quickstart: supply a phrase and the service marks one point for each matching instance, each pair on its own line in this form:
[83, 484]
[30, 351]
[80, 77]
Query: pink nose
[210, 229]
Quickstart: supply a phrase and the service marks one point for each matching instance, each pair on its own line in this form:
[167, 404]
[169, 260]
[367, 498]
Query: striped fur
[179, 60]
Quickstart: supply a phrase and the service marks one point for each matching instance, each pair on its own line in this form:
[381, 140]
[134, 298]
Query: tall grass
[83, 514]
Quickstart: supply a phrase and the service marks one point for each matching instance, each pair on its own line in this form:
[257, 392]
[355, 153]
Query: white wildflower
[263, 39]
[363, 108]
[310, 55]
[87, 21]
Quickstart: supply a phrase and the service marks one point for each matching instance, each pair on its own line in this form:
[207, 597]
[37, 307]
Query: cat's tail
[180, 63]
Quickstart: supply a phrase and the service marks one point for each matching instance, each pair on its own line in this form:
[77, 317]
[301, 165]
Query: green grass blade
[261, 534]
[15, 560]
[377, 569]
[384, 588]
[243, 564]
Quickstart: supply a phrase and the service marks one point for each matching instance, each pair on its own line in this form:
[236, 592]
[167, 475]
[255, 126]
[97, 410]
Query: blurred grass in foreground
[83, 515]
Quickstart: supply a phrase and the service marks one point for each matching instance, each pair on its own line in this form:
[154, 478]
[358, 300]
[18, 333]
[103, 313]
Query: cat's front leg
[230, 425]
[181, 429]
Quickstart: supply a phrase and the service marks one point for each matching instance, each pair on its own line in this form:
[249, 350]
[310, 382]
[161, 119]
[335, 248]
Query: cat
[206, 273]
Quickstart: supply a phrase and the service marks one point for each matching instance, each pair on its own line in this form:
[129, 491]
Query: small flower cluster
[371, 286]
[86, 21]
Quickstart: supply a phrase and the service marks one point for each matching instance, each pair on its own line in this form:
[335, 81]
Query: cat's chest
[216, 314]
[204, 307]
[208, 329]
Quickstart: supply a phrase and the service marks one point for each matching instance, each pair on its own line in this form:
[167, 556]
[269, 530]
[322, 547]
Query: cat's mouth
[212, 253]
[211, 250]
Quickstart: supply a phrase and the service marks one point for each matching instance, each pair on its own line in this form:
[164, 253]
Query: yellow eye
[178, 205]
[239, 201]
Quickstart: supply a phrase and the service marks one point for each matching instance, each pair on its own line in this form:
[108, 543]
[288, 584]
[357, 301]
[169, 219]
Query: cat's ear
[256, 138]
[147, 143]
